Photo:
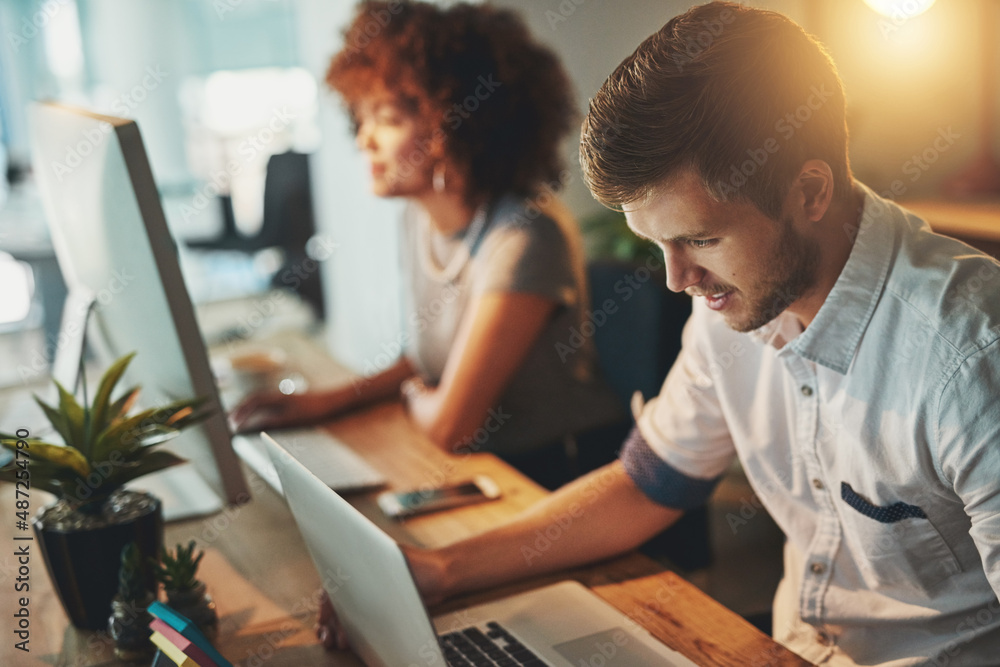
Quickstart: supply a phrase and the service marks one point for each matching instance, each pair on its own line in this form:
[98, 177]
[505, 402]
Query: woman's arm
[496, 334]
[275, 410]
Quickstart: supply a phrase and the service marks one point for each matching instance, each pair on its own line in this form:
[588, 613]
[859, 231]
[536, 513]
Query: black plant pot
[83, 553]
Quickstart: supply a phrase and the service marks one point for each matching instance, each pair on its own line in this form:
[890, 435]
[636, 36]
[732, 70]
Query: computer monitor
[125, 284]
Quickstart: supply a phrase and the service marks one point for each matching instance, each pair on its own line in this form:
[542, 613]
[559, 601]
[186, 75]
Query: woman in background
[460, 112]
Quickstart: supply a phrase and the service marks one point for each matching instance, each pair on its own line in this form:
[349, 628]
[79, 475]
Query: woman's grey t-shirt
[557, 390]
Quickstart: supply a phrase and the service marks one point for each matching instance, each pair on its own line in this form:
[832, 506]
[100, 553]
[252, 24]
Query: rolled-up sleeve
[661, 482]
[681, 444]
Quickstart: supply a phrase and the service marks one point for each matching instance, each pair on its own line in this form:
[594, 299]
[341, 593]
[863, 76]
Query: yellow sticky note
[172, 651]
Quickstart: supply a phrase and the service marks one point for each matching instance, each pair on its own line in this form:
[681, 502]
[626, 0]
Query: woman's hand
[428, 569]
[276, 410]
[265, 410]
[497, 333]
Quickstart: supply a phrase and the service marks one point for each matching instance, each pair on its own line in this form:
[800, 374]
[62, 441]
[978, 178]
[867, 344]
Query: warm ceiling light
[900, 9]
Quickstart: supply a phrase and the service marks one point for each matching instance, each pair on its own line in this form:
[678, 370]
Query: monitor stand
[67, 365]
[182, 491]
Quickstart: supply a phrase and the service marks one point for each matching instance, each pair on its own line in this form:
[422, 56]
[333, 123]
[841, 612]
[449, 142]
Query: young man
[847, 355]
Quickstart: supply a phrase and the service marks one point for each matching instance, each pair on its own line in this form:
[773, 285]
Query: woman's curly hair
[472, 72]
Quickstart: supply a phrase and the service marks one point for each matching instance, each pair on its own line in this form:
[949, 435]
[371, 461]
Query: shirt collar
[835, 333]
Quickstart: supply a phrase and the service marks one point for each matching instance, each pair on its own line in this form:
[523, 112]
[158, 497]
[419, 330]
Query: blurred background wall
[214, 83]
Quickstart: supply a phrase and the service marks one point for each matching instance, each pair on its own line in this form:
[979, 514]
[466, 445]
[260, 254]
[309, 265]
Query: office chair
[288, 223]
[636, 347]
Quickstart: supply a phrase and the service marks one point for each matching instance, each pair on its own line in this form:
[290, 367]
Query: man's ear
[812, 190]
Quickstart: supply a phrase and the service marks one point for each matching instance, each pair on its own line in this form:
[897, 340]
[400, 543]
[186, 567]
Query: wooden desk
[266, 588]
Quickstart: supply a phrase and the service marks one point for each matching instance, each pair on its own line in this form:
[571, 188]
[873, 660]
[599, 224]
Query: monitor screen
[120, 261]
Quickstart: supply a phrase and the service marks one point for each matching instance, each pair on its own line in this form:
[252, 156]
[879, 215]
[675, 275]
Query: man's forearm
[597, 516]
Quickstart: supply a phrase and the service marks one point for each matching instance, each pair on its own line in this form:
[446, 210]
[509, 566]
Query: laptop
[387, 625]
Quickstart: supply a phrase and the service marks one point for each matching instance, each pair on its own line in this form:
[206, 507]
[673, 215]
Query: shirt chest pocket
[895, 545]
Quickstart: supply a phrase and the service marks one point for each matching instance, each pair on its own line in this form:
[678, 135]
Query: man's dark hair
[742, 95]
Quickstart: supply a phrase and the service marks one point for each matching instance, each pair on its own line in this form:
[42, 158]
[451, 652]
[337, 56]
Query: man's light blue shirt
[873, 439]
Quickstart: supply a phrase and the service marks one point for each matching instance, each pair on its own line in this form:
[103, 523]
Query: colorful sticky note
[183, 643]
[185, 627]
[166, 647]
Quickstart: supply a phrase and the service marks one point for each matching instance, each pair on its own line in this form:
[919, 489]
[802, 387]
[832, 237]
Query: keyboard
[336, 464]
[495, 647]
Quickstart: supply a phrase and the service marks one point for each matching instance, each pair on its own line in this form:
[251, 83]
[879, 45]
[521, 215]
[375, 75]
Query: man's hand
[328, 628]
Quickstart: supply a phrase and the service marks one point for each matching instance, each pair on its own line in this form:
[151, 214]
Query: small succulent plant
[129, 622]
[131, 586]
[176, 571]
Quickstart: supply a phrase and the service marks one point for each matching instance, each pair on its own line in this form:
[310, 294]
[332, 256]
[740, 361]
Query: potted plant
[185, 593]
[82, 533]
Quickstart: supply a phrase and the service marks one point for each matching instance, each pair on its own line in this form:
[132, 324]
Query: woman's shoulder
[540, 219]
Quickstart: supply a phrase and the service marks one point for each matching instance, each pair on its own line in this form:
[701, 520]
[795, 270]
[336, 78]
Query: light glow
[900, 9]
[18, 282]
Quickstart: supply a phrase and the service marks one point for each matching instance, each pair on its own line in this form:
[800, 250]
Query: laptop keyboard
[493, 648]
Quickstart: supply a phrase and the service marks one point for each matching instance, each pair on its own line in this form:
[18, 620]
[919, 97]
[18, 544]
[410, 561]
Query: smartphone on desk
[399, 505]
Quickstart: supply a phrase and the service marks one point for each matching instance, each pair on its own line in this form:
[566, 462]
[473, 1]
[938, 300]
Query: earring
[437, 180]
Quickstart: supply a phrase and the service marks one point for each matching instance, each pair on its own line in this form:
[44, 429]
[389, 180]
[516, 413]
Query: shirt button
[824, 638]
[817, 568]
[818, 483]
[807, 390]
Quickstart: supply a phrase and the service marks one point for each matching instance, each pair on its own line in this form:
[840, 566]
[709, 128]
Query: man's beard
[794, 262]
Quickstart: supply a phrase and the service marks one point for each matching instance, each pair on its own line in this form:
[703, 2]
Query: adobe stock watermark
[422, 317]
[319, 249]
[606, 646]
[251, 146]
[214, 526]
[564, 10]
[597, 318]
[786, 127]
[300, 612]
[534, 206]
[454, 116]
[223, 7]
[128, 101]
[967, 629]
[920, 163]
[595, 484]
[378, 19]
[37, 362]
[419, 320]
[92, 138]
[748, 509]
[661, 601]
[971, 289]
[901, 12]
[697, 45]
[470, 444]
[915, 168]
[30, 27]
